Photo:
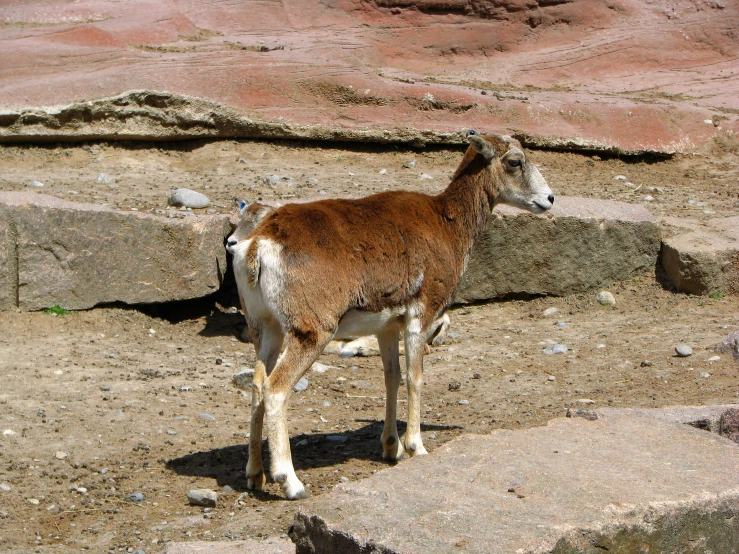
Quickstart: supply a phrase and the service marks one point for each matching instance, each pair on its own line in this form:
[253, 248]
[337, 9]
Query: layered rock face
[624, 76]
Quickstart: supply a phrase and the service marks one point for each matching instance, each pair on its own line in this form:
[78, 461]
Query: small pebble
[605, 298]
[105, 388]
[188, 198]
[35, 183]
[60, 455]
[551, 378]
[683, 350]
[601, 345]
[318, 367]
[34, 501]
[344, 479]
[556, 348]
[425, 177]
[243, 379]
[463, 402]
[103, 178]
[337, 438]
[649, 198]
[550, 311]
[561, 324]
[620, 177]
[227, 488]
[301, 385]
[203, 497]
[705, 374]
[5, 486]
[136, 497]
[410, 164]
[714, 359]
[207, 416]
[383, 171]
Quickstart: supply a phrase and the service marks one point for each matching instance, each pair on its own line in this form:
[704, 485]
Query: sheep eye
[514, 163]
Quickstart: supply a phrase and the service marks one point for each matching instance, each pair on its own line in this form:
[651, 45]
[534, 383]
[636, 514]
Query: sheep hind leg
[294, 361]
[268, 344]
[392, 448]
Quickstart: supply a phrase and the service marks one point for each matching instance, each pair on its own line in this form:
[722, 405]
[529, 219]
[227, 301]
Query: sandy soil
[101, 404]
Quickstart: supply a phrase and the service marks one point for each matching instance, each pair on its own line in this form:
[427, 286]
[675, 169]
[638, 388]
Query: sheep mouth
[538, 207]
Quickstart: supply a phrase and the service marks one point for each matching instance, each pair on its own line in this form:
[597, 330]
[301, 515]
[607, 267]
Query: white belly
[358, 323]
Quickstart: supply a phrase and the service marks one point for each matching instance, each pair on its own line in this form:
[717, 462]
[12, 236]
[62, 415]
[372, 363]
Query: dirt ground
[102, 404]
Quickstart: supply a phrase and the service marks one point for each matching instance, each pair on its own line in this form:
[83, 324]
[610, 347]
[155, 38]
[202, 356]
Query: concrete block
[622, 484]
[704, 256]
[82, 255]
[581, 244]
[266, 546]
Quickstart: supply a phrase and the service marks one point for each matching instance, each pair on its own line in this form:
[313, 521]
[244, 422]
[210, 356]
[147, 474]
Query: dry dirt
[100, 404]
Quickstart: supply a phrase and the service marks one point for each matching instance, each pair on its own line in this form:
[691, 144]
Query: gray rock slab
[703, 257]
[81, 255]
[621, 484]
[729, 345]
[581, 244]
[702, 417]
[266, 546]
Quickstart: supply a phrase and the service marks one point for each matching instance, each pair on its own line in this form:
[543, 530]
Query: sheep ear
[481, 146]
[242, 204]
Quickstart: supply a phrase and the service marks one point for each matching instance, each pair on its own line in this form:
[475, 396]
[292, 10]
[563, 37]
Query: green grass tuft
[56, 309]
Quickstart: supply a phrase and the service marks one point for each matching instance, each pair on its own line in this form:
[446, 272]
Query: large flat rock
[82, 255]
[624, 77]
[581, 244]
[703, 258]
[622, 484]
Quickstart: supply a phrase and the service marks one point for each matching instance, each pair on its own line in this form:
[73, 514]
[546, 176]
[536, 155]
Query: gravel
[301, 385]
[556, 348]
[683, 350]
[243, 379]
[188, 198]
[605, 298]
[203, 497]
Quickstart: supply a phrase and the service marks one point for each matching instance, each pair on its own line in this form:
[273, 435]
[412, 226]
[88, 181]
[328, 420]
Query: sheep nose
[551, 198]
[231, 241]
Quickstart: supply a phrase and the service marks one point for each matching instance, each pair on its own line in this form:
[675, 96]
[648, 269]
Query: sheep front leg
[415, 341]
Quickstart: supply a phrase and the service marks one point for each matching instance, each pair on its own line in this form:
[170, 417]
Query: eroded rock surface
[583, 74]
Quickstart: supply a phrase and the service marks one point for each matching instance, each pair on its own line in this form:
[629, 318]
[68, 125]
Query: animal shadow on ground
[227, 465]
